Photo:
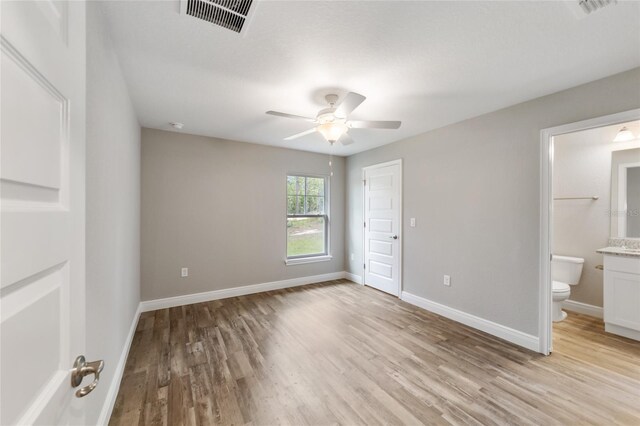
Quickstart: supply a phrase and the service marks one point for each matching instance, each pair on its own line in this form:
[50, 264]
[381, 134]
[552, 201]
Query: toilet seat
[560, 287]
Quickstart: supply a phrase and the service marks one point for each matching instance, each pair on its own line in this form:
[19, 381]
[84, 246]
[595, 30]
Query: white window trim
[308, 259]
[313, 258]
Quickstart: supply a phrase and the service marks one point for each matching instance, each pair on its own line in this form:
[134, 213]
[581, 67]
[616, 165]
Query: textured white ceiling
[426, 63]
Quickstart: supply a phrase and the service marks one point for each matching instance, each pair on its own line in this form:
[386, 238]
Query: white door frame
[400, 229]
[546, 212]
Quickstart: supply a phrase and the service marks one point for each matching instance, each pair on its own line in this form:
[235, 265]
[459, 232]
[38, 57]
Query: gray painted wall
[113, 208]
[582, 167]
[473, 187]
[218, 207]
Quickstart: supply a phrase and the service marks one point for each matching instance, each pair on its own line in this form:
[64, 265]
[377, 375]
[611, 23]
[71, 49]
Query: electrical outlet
[413, 222]
[447, 280]
[184, 272]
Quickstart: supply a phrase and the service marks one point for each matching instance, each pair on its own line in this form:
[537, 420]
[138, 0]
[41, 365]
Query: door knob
[395, 237]
[82, 368]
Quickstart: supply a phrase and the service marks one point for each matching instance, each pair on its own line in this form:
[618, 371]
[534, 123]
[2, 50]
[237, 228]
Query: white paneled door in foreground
[382, 226]
[42, 179]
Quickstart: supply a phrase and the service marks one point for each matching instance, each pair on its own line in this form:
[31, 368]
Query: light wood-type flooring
[341, 353]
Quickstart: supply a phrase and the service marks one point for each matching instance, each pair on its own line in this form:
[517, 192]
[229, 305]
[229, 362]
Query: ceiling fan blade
[348, 104]
[345, 139]
[296, 117]
[358, 124]
[299, 135]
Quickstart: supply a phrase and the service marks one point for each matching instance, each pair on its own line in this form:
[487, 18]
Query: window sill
[303, 260]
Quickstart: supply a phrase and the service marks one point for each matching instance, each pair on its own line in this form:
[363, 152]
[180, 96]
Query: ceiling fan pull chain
[331, 162]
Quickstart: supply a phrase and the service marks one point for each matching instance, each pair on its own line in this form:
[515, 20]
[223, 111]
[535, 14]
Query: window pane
[315, 205]
[295, 185]
[295, 205]
[315, 186]
[305, 236]
[291, 185]
[299, 185]
[291, 205]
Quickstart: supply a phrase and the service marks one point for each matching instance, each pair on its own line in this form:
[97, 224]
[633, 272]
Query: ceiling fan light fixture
[624, 135]
[333, 122]
[333, 130]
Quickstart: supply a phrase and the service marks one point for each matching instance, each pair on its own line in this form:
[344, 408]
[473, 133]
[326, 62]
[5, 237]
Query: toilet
[565, 272]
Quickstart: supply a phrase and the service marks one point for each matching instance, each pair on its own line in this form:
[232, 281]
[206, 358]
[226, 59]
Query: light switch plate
[447, 280]
[412, 222]
[184, 272]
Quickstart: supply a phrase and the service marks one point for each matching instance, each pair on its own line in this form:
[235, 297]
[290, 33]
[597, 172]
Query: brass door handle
[82, 368]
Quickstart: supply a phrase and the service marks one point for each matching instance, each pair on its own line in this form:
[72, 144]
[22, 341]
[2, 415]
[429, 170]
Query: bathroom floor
[582, 338]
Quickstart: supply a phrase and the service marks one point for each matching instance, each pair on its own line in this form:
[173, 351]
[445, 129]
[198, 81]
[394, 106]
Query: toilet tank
[566, 269]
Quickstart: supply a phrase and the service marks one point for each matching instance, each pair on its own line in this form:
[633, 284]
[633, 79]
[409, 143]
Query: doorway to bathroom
[579, 213]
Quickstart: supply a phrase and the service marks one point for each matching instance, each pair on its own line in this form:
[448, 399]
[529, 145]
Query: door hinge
[364, 266]
[365, 224]
[364, 182]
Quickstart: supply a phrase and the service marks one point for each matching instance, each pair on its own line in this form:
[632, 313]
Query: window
[307, 218]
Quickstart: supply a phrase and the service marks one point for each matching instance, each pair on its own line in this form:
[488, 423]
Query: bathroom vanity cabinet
[622, 295]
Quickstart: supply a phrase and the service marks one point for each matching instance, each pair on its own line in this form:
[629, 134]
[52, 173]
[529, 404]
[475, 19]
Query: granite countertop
[620, 251]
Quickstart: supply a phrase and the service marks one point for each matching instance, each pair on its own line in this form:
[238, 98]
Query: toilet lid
[559, 286]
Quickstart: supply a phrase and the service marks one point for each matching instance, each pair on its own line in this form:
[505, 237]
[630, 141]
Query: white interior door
[382, 226]
[42, 151]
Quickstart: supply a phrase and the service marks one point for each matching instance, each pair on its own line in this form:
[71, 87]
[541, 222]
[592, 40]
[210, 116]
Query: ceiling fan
[332, 122]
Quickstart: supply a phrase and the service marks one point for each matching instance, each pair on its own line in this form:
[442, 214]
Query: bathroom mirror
[625, 194]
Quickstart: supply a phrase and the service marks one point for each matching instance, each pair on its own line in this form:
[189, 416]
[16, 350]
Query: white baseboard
[170, 302]
[583, 308]
[509, 334]
[114, 387]
[353, 277]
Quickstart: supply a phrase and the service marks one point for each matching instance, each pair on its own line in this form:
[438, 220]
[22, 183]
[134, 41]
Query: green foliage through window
[305, 195]
[307, 222]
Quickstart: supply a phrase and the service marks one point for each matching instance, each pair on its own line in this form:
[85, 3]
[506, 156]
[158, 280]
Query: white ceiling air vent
[230, 14]
[592, 5]
[581, 8]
